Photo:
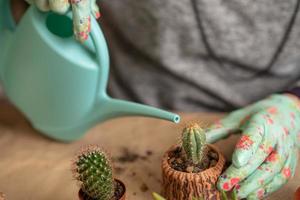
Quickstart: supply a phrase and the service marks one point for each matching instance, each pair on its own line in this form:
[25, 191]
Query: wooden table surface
[33, 167]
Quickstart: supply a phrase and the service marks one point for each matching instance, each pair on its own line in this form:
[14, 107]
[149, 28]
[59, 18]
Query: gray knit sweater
[193, 55]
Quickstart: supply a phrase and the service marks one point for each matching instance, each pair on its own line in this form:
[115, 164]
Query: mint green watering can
[58, 83]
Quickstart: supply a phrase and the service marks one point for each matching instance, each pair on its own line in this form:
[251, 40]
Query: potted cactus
[93, 169]
[190, 170]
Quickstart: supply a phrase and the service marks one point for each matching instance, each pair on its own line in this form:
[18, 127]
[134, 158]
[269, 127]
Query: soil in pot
[179, 162]
[119, 193]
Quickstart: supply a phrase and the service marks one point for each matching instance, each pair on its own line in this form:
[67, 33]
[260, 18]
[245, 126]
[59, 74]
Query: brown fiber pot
[80, 193]
[179, 185]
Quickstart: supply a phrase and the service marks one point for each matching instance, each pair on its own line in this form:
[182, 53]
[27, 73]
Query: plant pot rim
[123, 197]
[218, 167]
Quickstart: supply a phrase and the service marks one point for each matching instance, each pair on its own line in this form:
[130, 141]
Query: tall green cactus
[194, 142]
[93, 169]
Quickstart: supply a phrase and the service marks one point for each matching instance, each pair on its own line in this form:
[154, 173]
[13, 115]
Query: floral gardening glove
[81, 10]
[266, 155]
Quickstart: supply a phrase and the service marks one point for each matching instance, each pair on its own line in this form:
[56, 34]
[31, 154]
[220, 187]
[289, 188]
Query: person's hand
[81, 9]
[266, 155]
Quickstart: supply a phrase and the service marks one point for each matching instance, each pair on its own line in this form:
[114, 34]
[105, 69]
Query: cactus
[224, 195]
[157, 196]
[92, 168]
[233, 195]
[194, 143]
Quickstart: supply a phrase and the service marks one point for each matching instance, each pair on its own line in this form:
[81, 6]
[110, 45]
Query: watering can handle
[102, 56]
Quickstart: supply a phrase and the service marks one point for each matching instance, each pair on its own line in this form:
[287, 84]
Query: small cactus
[157, 196]
[93, 169]
[194, 143]
[224, 195]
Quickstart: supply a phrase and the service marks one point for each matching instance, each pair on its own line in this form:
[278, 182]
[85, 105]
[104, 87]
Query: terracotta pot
[179, 185]
[297, 194]
[81, 194]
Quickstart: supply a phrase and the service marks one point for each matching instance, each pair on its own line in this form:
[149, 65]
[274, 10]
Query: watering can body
[56, 82]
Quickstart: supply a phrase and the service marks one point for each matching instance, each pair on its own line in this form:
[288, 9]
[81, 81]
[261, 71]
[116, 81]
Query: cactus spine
[194, 143]
[92, 168]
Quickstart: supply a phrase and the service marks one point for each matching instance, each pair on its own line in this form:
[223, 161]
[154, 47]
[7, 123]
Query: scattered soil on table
[143, 157]
[150, 174]
[133, 174]
[119, 170]
[149, 153]
[144, 187]
[179, 162]
[128, 156]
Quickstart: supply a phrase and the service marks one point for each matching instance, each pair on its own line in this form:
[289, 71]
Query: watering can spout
[23, 71]
[117, 108]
